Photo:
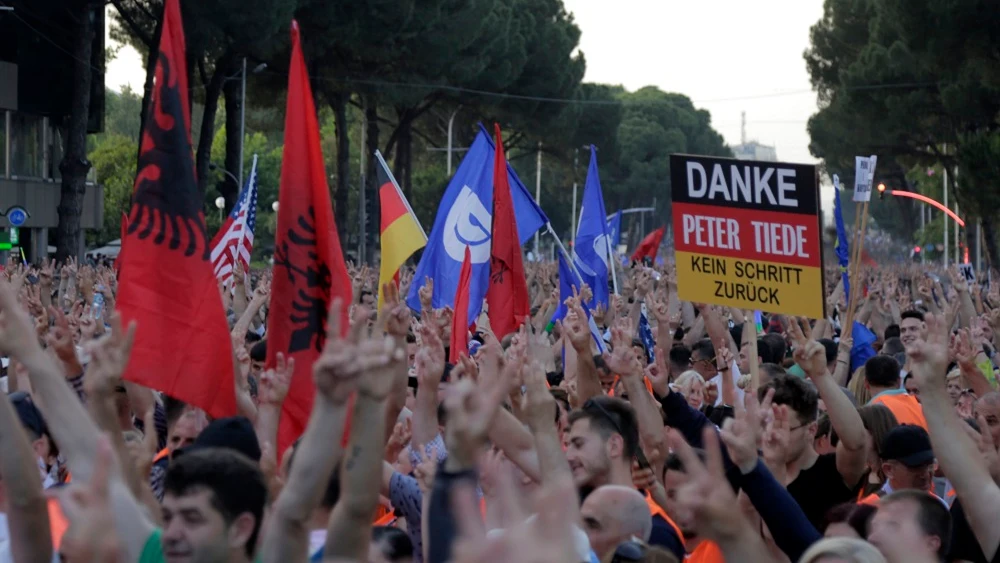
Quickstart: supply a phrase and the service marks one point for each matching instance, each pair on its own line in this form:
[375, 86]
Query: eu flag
[464, 218]
[590, 248]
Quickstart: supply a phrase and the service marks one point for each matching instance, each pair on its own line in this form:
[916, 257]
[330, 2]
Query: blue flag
[568, 279]
[861, 350]
[465, 217]
[615, 229]
[590, 248]
[841, 247]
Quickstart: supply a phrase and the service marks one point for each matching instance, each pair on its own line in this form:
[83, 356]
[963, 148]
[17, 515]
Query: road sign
[17, 216]
[15, 236]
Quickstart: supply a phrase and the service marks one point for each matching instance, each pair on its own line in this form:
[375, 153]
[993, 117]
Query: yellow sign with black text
[749, 284]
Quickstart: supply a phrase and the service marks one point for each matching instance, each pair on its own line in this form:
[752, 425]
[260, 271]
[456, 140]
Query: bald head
[613, 514]
[988, 407]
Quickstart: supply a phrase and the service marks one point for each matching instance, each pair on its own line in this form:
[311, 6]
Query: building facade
[36, 69]
[752, 150]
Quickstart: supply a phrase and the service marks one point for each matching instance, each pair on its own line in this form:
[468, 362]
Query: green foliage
[917, 83]
[114, 165]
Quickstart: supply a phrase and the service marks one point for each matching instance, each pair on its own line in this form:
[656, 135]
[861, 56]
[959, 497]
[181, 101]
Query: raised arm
[335, 374]
[955, 450]
[27, 515]
[577, 329]
[72, 428]
[378, 358]
[811, 357]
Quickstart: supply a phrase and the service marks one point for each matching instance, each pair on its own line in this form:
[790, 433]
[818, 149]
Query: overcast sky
[728, 56]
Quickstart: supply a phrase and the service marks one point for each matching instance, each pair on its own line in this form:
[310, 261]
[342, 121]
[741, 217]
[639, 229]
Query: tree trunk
[990, 242]
[206, 135]
[405, 154]
[234, 103]
[147, 89]
[371, 116]
[74, 165]
[338, 103]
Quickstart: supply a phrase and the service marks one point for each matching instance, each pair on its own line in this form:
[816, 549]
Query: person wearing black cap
[907, 461]
[235, 433]
[38, 433]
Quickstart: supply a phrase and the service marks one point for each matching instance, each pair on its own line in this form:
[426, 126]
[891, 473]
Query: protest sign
[864, 175]
[747, 234]
[967, 273]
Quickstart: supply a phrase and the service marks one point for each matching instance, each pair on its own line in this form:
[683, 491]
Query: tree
[75, 166]
[918, 85]
[114, 166]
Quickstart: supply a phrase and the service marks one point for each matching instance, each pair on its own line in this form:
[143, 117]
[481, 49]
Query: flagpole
[381, 161]
[611, 263]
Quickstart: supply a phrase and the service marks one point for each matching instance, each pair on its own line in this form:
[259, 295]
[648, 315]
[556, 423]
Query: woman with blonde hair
[692, 386]
[857, 386]
[842, 550]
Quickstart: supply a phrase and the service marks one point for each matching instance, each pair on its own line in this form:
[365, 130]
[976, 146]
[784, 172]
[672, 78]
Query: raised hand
[929, 358]
[426, 294]
[398, 440]
[59, 338]
[336, 371]
[706, 494]
[537, 405]
[658, 374]
[275, 382]
[396, 315]
[17, 331]
[91, 535]
[109, 356]
[430, 359]
[808, 354]
[622, 359]
[425, 470]
[575, 326]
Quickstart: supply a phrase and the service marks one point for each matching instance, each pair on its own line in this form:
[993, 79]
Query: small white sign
[967, 273]
[864, 175]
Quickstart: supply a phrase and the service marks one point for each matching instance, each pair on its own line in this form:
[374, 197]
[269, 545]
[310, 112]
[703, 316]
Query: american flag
[234, 241]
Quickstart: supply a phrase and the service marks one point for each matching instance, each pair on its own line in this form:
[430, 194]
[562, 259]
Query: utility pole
[573, 221]
[363, 231]
[538, 187]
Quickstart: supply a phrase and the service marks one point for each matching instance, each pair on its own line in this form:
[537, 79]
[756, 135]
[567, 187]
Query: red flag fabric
[649, 245]
[166, 283]
[121, 242]
[309, 269]
[507, 294]
[460, 319]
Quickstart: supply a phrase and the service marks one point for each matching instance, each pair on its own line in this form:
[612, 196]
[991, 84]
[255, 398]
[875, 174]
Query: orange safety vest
[383, 517]
[655, 509]
[906, 408]
[161, 454]
[57, 522]
[611, 392]
[706, 552]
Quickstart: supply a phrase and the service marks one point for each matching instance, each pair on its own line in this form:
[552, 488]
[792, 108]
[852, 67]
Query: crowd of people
[716, 440]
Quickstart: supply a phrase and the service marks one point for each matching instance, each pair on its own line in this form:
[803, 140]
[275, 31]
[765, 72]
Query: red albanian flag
[166, 281]
[507, 294]
[309, 269]
[460, 320]
[649, 246]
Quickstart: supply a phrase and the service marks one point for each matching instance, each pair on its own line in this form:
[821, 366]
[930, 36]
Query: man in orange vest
[603, 439]
[908, 463]
[882, 379]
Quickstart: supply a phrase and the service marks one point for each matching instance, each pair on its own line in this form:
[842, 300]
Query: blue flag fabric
[862, 350]
[841, 247]
[568, 279]
[465, 217]
[590, 248]
[615, 229]
[646, 336]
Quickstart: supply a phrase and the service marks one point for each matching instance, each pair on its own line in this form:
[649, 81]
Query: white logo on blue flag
[463, 219]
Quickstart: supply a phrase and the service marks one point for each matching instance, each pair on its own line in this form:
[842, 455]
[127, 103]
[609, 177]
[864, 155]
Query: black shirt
[820, 488]
[663, 535]
[964, 546]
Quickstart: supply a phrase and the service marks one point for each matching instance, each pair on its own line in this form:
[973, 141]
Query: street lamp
[220, 202]
[274, 207]
[243, 108]
[881, 190]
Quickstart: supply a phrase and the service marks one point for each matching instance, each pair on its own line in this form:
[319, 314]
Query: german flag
[400, 233]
